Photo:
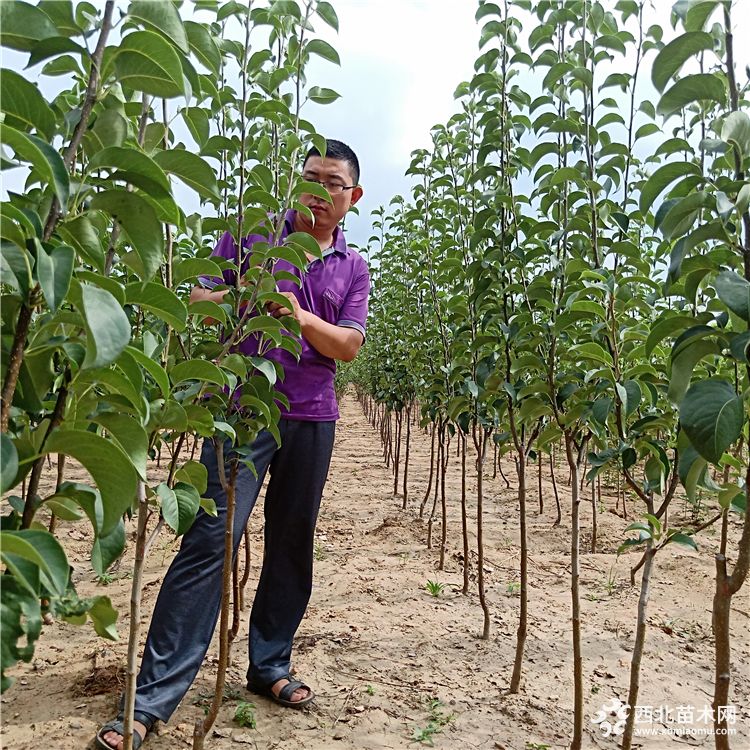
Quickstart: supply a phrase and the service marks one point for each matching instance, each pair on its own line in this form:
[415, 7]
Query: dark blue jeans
[187, 607]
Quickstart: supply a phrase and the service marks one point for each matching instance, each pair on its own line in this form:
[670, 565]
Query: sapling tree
[107, 360]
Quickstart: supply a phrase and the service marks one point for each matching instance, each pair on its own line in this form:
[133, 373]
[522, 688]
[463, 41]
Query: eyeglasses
[334, 188]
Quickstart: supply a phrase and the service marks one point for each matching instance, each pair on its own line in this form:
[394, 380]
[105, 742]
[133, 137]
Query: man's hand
[328, 339]
[277, 310]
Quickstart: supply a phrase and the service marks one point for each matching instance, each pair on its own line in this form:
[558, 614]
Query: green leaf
[112, 471]
[52, 47]
[163, 302]
[24, 106]
[328, 14]
[685, 540]
[591, 350]
[698, 13]
[46, 161]
[22, 619]
[680, 217]
[266, 367]
[685, 356]
[8, 463]
[322, 95]
[191, 268]
[162, 16]
[137, 168]
[208, 309]
[264, 323]
[209, 506]
[662, 177]
[324, 50]
[43, 550]
[304, 240]
[672, 56]
[107, 549]
[195, 474]
[103, 617]
[140, 223]
[15, 226]
[82, 234]
[110, 129]
[60, 12]
[735, 130]
[589, 306]
[179, 505]
[130, 436]
[200, 420]
[191, 169]
[107, 326]
[197, 369]
[113, 286]
[665, 327]
[312, 188]
[154, 369]
[203, 46]
[197, 122]
[170, 417]
[712, 416]
[146, 62]
[693, 88]
[286, 8]
[734, 292]
[64, 508]
[23, 25]
[54, 272]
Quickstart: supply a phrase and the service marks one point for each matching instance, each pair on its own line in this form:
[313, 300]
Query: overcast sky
[401, 61]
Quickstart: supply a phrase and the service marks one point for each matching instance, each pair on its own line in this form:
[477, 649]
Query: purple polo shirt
[335, 289]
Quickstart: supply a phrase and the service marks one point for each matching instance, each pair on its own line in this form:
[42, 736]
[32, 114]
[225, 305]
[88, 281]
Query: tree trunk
[60, 477]
[502, 473]
[203, 726]
[443, 504]
[246, 570]
[558, 520]
[235, 628]
[575, 595]
[594, 510]
[515, 680]
[539, 480]
[640, 641]
[726, 587]
[397, 453]
[480, 443]
[432, 469]
[136, 588]
[440, 461]
[14, 364]
[464, 516]
[406, 456]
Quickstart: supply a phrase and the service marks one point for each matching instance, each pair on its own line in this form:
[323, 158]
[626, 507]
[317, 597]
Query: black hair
[338, 150]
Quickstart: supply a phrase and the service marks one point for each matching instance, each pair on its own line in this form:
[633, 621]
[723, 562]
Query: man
[331, 308]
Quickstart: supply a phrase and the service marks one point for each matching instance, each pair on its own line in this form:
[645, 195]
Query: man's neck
[324, 237]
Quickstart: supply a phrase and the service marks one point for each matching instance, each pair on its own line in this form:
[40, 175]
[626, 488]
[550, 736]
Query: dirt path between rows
[388, 660]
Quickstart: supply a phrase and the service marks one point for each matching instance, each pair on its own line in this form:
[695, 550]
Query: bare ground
[388, 660]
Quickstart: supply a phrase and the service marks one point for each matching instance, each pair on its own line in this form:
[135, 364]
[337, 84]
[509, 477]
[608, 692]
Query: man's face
[334, 173]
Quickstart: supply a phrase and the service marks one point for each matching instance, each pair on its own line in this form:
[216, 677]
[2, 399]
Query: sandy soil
[389, 660]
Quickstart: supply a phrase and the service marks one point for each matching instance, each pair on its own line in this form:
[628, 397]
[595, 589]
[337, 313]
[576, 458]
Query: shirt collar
[339, 241]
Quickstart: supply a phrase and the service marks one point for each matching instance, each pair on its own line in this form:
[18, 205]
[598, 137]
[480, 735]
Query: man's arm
[331, 341]
[199, 294]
